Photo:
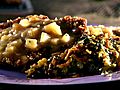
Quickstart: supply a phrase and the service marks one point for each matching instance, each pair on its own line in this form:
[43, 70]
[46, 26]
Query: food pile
[64, 47]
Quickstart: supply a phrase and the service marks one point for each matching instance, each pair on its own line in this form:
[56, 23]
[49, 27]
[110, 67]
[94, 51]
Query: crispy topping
[62, 47]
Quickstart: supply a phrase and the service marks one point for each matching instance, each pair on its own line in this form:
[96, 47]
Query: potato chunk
[44, 37]
[31, 43]
[65, 38]
[24, 22]
[53, 29]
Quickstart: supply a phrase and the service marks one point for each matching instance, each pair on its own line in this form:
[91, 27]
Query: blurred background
[105, 12]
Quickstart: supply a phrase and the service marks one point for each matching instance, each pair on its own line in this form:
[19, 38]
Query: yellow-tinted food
[59, 48]
[53, 29]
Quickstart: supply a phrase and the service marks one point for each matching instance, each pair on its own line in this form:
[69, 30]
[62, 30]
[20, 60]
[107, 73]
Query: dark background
[105, 12]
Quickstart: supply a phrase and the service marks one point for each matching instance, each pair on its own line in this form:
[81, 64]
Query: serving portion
[63, 47]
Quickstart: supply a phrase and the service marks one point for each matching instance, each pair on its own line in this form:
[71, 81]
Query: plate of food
[38, 50]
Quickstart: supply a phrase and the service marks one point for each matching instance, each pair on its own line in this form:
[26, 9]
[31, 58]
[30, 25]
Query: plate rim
[9, 77]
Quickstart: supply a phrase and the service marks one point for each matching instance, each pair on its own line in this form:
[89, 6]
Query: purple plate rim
[9, 77]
